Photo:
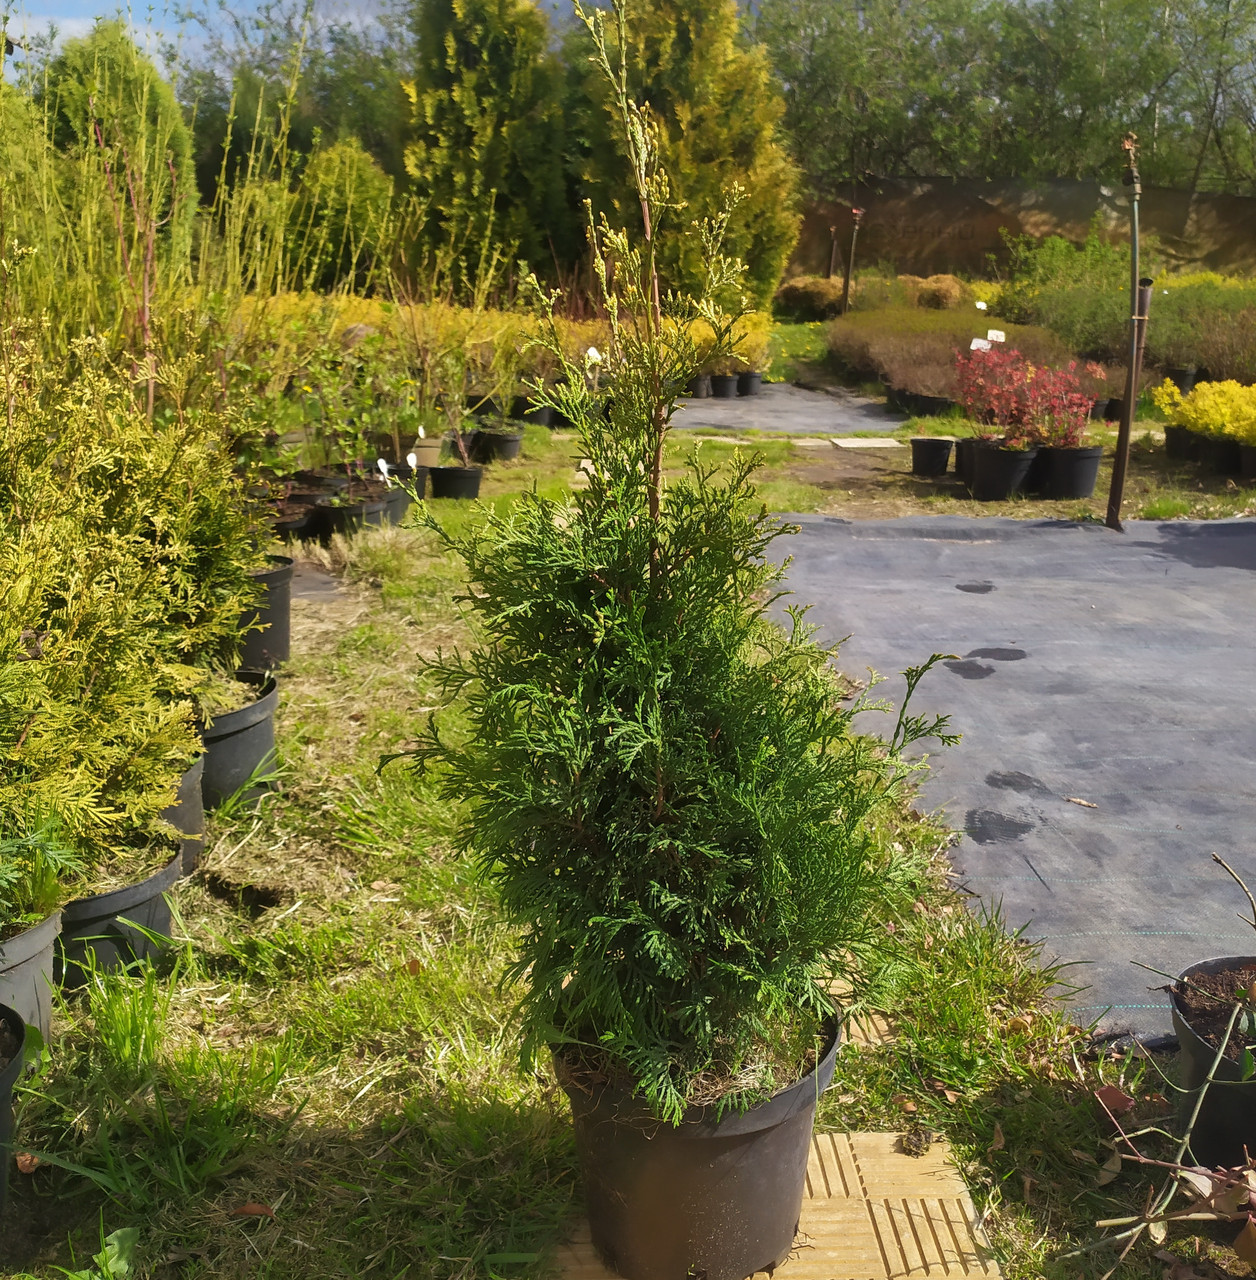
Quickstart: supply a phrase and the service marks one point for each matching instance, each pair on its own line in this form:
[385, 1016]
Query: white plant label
[412, 459]
[980, 344]
[996, 335]
[383, 467]
[981, 306]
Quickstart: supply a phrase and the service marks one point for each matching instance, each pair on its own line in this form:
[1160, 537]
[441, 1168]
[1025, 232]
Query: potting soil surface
[1104, 685]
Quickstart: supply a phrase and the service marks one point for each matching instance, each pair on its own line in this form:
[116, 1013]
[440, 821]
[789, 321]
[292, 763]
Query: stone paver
[784, 408]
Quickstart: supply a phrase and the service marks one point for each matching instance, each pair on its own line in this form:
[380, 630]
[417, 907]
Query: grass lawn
[323, 1078]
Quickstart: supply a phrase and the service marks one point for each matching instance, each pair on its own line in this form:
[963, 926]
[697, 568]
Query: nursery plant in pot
[1060, 413]
[122, 915]
[34, 861]
[991, 385]
[238, 715]
[267, 626]
[1211, 424]
[666, 790]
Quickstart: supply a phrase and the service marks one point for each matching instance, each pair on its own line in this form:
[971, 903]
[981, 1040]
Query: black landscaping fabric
[1117, 669]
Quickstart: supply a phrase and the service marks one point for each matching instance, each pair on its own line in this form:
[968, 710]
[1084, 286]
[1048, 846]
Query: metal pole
[1140, 302]
[856, 217]
[832, 252]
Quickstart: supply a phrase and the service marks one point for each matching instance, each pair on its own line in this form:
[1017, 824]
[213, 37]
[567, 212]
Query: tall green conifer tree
[719, 110]
[487, 147]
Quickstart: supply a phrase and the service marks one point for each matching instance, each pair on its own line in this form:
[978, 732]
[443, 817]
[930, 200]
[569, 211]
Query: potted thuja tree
[665, 788]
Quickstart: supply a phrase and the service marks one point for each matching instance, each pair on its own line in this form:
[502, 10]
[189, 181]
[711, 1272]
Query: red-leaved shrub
[1030, 404]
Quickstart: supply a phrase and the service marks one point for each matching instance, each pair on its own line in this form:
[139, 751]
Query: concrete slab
[869, 1213]
[1116, 669]
[782, 407]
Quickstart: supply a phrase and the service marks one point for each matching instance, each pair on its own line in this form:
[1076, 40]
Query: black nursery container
[9, 1073]
[749, 383]
[723, 385]
[1227, 1118]
[965, 448]
[699, 387]
[715, 1198]
[241, 744]
[455, 482]
[930, 456]
[187, 817]
[26, 972]
[269, 648]
[1069, 473]
[113, 928]
[524, 409]
[999, 473]
[494, 446]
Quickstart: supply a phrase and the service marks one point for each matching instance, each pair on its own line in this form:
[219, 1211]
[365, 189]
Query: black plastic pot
[455, 482]
[1184, 379]
[295, 528]
[26, 967]
[271, 648]
[411, 478]
[1180, 442]
[1069, 473]
[749, 383]
[999, 473]
[922, 406]
[524, 409]
[494, 446]
[8, 1078]
[699, 387]
[965, 448]
[350, 516]
[1112, 409]
[241, 743]
[113, 928]
[1227, 1119]
[327, 481]
[715, 1198]
[893, 397]
[930, 456]
[723, 385]
[1221, 454]
[187, 817]
[398, 505]
[1247, 462]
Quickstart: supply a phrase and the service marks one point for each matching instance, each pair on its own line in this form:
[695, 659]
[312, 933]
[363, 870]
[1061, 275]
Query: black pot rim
[457, 467]
[10, 1073]
[1073, 451]
[701, 1122]
[243, 717]
[30, 942]
[115, 901]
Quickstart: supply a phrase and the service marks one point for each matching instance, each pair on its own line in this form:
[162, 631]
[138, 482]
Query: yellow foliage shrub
[1211, 408]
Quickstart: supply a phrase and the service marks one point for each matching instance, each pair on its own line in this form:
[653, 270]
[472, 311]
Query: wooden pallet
[869, 1213]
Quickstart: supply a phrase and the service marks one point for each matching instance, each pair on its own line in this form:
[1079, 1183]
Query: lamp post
[856, 219]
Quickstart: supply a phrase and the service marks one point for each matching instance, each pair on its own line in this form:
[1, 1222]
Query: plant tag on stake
[383, 470]
[412, 458]
[980, 344]
[995, 335]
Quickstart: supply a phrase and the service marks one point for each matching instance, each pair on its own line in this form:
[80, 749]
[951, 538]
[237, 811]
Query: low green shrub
[808, 298]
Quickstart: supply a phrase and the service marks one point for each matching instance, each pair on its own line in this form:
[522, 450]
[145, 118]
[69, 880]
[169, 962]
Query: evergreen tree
[718, 111]
[487, 119]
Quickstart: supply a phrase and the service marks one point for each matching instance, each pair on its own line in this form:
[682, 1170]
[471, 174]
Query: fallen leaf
[997, 1144]
[1019, 1024]
[1085, 804]
[1111, 1168]
[1028, 1184]
[253, 1210]
[1158, 1231]
[1083, 1156]
[1200, 1183]
[380, 884]
[414, 968]
[1114, 1100]
[903, 1102]
[1245, 1242]
[27, 1163]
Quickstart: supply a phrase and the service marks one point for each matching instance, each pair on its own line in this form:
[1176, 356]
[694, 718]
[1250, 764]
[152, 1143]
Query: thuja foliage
[663, 783]
[33, 865]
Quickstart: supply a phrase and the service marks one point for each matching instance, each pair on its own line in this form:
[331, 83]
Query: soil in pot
[723, 385]
[240, 744]
[717, 1198]
[455, 482]
[699, 387]
[930, 455]
[26, 968]
[12, 1046]
[1069, 473]
[494, 446]
[999, 473]
[1203, 1000]
[267, 649]
[322, 481]
[187, 817]
[113, 929]
[749, 383]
